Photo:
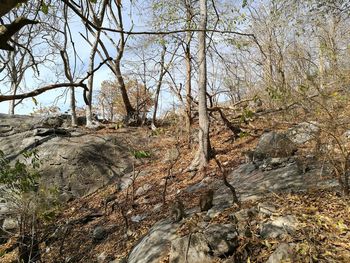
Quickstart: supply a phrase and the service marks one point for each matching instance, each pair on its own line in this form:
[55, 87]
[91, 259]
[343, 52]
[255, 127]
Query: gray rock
[4, 208]
[192, 248]
[102, 257]
[274, 145]
[83, 161]
[274, 162]
[157, 207]
[267, 209]
[122, 260]
[248, 168]
[303, 132]
[283, 253]
[52, 122]
[347, 134]
[138, 218]
[65, 197]
[143, 189]
[99, 233]
[10, 224]
[214, 211]
[171, 155]
[222, 239]
[196, 187]
[280, 226]
[245, 215]
[155, 245]
[269, 230]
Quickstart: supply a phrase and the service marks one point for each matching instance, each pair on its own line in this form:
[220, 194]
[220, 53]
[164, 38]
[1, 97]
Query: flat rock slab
[156, 244]
[73, 160]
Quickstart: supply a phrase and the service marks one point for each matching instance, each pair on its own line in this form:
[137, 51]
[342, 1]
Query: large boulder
[274, 145]
[155, 245]
[213, 241]
[193, 248]
[73, 160]
[222, 239]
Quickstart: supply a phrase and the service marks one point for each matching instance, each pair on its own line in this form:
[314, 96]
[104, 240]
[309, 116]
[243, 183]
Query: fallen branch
[224, 178]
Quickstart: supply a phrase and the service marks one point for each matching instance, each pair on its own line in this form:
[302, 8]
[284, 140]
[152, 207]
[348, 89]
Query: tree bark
[188, 73]
[69, 76]
[88, 110]
[39, 91]
[204, 149]
[130, 111]
[12, 103]
[74, 120]
[7, 5]
[93, 52]
[159, 85]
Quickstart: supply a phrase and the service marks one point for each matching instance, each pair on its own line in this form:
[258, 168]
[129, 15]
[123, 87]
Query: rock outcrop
[275, 145]
[74, 161]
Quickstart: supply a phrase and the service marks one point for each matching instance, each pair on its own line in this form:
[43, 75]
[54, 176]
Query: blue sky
[50, 97]
[47, 99]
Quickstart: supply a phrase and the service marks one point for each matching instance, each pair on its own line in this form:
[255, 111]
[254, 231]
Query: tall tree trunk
[88, 110]
[188, 74]
[14, 81]
[130, 111]
[159, 85]
[69, 76]
[204, 149]
[12, 103]
[74, 121]
[93, 52]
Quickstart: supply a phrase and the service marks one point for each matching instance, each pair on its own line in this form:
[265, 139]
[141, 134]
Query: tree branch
[40, 91]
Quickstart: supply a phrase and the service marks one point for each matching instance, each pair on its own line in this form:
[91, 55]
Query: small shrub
[141, 154]
[29, 203]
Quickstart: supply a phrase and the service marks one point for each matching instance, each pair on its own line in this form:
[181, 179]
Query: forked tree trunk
[93, 52]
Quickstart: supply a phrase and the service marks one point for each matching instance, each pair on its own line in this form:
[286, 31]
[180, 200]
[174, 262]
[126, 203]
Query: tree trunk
[203, 154]
[129, 109]
[88, 110]
[14, 80]
[74, 121]
[12, 103]
[159, 85]
[93, 52]
[188, 75]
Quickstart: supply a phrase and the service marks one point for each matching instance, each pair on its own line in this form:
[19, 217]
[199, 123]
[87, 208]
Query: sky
[167, 100]
[49, 98]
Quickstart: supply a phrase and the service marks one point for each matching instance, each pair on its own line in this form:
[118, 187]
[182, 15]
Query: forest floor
[325, 213]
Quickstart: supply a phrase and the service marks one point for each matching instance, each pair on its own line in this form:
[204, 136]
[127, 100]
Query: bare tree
[204, 149]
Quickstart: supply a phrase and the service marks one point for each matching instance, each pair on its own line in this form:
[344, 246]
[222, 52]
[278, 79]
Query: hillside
[286, 212]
